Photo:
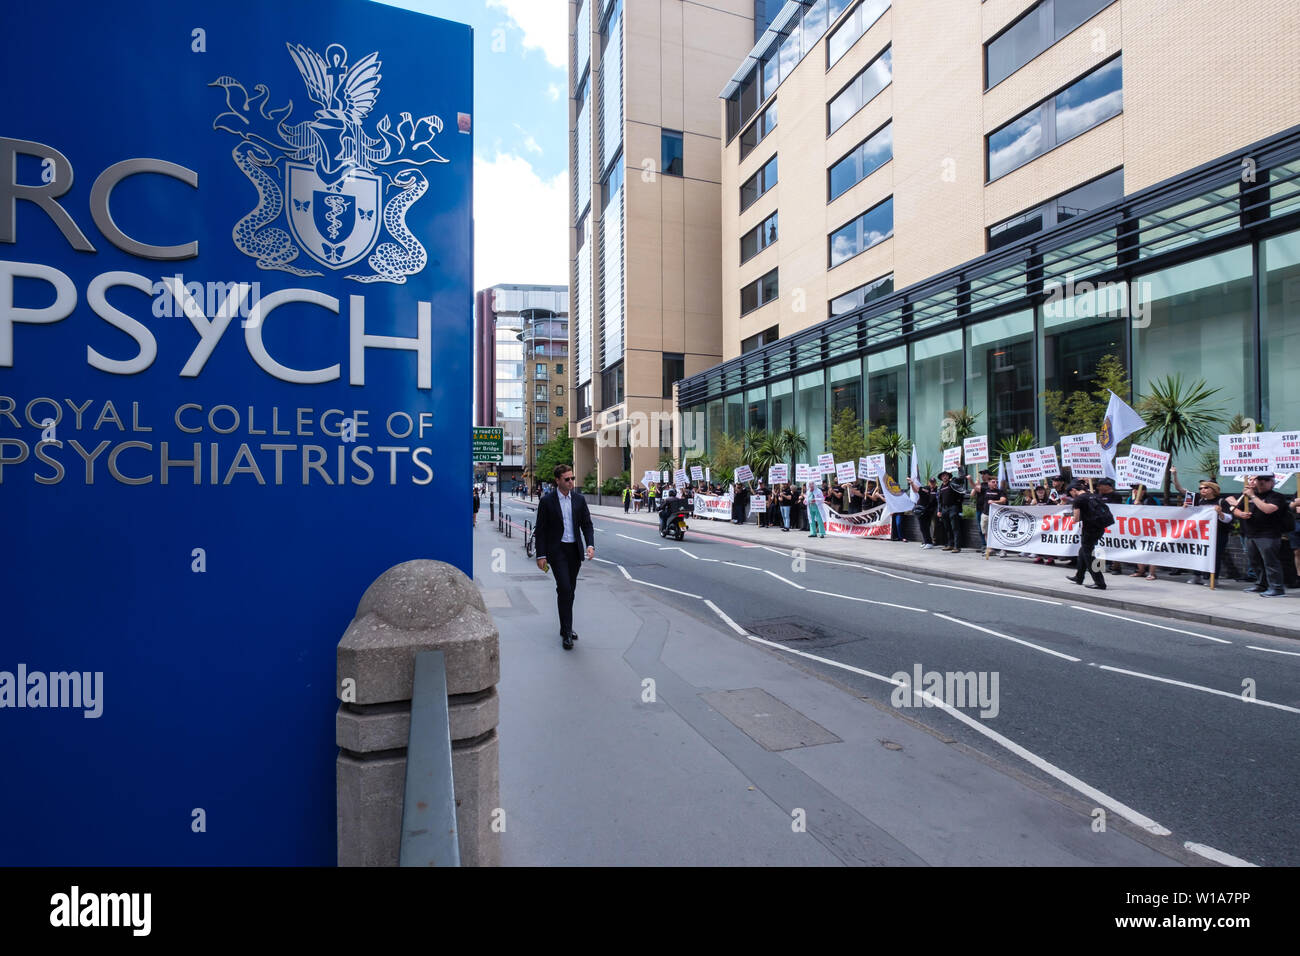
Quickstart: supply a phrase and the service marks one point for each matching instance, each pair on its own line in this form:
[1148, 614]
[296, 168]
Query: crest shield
[336, 225]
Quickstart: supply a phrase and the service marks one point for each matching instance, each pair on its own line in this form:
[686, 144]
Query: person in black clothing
[924, 511]
[1261, 511]
[739, 504]
[1090, 532]
[951, 495]
[563, 521]
[476, 504]
[1107, 493]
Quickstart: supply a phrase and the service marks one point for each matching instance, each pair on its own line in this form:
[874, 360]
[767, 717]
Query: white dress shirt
[566, 512]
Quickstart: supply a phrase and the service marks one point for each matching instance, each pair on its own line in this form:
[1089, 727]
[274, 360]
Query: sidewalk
[662, 739]
[1171, 597]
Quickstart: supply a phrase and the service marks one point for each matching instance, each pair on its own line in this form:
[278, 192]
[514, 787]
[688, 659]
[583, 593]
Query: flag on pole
[1120, 422]
[1002, 473]
[916, 475]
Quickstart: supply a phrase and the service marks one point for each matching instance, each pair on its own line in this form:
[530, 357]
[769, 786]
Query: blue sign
[235, 245]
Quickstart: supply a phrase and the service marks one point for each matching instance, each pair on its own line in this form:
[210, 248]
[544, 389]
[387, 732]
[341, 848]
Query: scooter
[676, 526]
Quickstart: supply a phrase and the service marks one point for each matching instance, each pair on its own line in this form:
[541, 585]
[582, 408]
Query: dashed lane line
[1200, 687]
[1163, 627]
[1008, 637]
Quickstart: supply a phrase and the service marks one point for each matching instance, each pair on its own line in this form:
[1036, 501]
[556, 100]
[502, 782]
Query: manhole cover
[785, 631]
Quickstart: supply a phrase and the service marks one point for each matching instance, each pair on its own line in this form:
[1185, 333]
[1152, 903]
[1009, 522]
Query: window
[1040, 27]
[855, 24]
[541, 370]
[1100, 192]
[611, 386]
[674, 371]
[559, 369]
[670, 147]
[1086, 103]
[559, 390]
[757, 131]
[758, 238]
[860, 91]
[758, 293]
[758, 184]
[1000, 375]
[559, 411]
[861, 161]
[872, 227]
[857, 298]
[759, 340]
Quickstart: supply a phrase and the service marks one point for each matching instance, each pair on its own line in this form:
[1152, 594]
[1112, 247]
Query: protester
[1042, 498]
[785, 502]
[951, 495]
[815, 498]
[988, 492]
[476, 504]
[1139, 496]
[1262, 510]
[1091, 514]
[739, 504]
[1106, 491]
[798, 508]
[924, 510]
[652, 496]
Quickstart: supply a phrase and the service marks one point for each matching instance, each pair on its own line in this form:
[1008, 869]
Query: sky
[521, 116]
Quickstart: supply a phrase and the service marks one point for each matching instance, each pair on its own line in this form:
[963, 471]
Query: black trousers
[952, 521]
[924, 518]
[565, 562]
[1088, 538]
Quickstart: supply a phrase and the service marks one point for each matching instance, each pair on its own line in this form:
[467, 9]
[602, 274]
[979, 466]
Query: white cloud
[554, 91]
[520, 223]
[545, 25]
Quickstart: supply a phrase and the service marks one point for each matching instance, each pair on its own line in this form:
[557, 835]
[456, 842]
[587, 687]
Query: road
[1145, 718]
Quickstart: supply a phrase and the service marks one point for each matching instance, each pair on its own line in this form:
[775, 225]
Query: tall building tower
[937, 204]
[646, 138]
[507, 364]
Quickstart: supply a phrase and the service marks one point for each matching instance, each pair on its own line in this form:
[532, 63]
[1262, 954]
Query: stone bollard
[415, 606]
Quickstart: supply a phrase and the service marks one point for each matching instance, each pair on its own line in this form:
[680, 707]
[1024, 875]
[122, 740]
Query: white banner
[679, 478]
[1283, 450]
[825, 464]
[744, 473]
[778, 474]
[1141, 534]
[1146, 466]
[845, 473]
[866, 524]
[1026, 469]
[1083, 438]
[649, 478]
[976, 449]
[697, 473]
[952, 459]
[713, 506]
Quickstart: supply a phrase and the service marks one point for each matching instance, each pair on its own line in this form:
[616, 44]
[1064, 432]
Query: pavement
[1225, 605]
[664, 738]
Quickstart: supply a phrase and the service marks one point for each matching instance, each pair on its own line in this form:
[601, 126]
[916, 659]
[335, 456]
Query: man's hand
[591, 552]
[541, 564]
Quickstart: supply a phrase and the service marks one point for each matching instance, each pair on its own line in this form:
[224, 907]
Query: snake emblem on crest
[346, 189]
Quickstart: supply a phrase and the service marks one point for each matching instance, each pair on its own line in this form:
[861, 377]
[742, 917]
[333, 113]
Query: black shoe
[1072, 579]
[573, 635]
[568, 642]
[1096, 587]
[1254, 589]
[1273, 593]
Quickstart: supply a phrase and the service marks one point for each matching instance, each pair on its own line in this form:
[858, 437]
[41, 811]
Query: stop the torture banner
[1169, 537]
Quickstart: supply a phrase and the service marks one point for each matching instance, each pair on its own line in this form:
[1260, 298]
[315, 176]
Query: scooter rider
[668, 509]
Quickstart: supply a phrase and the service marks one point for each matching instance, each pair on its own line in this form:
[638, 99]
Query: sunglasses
[566, 477]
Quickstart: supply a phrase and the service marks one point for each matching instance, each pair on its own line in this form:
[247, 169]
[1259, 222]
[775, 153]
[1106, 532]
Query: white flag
[1002, 473]
[1120, 422]
[916, 476]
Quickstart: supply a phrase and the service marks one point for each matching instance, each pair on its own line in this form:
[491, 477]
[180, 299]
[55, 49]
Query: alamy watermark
[68, 689]
[957, 689]
[172, 295]
[1099, 300]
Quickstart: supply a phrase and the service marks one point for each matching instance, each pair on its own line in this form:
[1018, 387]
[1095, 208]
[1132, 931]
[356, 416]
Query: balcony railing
[541, 418]
[543, 376]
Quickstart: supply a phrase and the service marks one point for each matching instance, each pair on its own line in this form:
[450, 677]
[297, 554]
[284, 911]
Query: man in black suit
[562, 516]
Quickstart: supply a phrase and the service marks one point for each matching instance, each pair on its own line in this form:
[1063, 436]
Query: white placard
[1084, 460]
[679, 478]
[865, 468]
[697, 473]
[826, 464]
[1283, 450]
[664, 477]
[875, 466]
[804, 472]
[649, 478]
[976, 449]
[778, 474]
[845, 473]
[1028, 469]
[1083, 438]
[1047, 461]
[1243, 455]
[1122, 480]
[952, 459]
[1146, 466]
[744, 473]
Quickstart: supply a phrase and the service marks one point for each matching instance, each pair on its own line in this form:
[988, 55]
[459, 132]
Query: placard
[1146, 466]
[845, 473]
[826, 464]
[1047, 461]
[679, 478]
[976, 449]
[1026, 468]
[865, 467]
[744, 473]
[697, 473]
[1283, 450]
[952, 459]
[1122, 479]
[1243, 455]
[778, 474]
[1084, 460]
[649, 478]
[663, 477]
[804, 472]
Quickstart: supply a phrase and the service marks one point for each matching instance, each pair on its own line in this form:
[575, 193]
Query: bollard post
[415, 606]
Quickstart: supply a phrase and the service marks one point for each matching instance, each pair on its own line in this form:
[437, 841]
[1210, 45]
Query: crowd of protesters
[1257, 513]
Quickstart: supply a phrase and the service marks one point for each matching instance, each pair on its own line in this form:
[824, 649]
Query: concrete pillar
[415, 606]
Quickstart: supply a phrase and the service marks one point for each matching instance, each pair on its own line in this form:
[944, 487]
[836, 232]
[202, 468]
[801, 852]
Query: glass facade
[862, 89]
[781, 415]
[611, 267]
[1280, 328]
[887, 389]
[872, 227]
[1000, 376]
[938, 380]
[1038, 28]
[858, 22]
[861, 161]
[810, 412]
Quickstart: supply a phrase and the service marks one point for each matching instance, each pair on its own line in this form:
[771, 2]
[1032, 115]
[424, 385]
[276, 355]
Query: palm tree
[892, 445]
[761, 451]
[1021, 442]
[1179, 417]
[790, 445]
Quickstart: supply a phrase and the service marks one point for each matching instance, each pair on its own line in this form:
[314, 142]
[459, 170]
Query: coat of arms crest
[335, 174]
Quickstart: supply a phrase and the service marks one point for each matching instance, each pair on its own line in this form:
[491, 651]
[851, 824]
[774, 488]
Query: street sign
[489, 443]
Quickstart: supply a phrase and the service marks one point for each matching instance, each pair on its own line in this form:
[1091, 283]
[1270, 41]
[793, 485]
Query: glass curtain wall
[713, 423]
[1200, 323]
[782, 394]
[887, 389]
[735, 414]
[937, 386]
[1077, 333]
[845, 389]
[811, 412]
[1000, 376]
[1280, 318]
[756, 408]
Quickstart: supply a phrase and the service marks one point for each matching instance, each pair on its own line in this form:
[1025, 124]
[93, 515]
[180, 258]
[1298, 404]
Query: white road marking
[661, 587]
[885, 573]
[850, 597]
[1007, 637]
[722, 614]
[1270, 650]
[637, 540]
[1014, 597]
[1163, 627]
[786, 580]
[1218, 856]
[682, 550]
[747, 567]
[1208, 690]
[1092, 793]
